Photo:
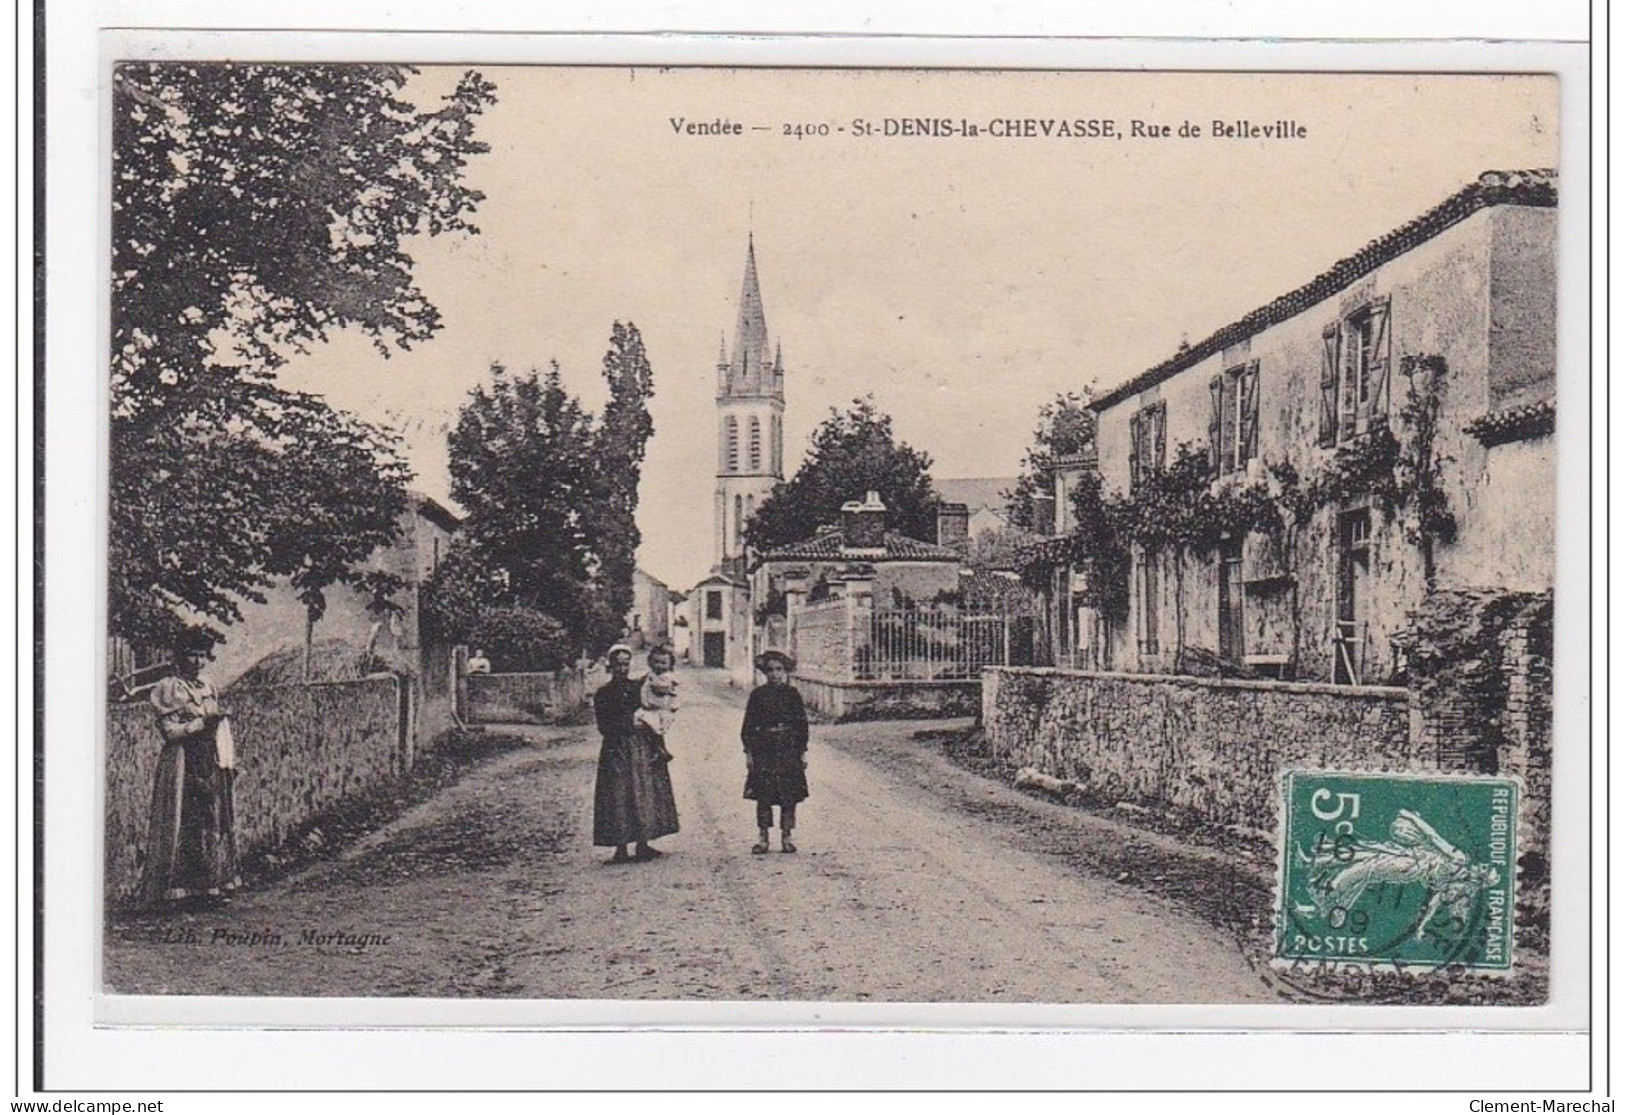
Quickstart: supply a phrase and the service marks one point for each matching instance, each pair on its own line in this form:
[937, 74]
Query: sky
[963, 280]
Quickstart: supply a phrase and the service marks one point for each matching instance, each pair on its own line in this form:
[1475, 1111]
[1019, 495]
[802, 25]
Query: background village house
[649, 621]
[877, 620]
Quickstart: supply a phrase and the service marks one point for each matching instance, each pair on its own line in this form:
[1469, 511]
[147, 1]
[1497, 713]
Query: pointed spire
[722, 349]
[750, 335]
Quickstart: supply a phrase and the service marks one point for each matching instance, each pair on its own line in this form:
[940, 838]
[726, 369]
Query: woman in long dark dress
[633, 802]
[775, 738]
[192, 839]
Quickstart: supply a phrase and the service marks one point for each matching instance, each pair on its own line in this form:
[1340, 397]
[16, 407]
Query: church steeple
[750, 372]
[750, 421]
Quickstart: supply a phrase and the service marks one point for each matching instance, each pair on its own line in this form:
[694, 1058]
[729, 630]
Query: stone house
[719, 623]
[874, 617]
[353, 636]
[648, 623]
[986, 508]
[1065, 612]
[859, 557]
[1430, 352]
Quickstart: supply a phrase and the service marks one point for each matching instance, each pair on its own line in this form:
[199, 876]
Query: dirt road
[898, 893]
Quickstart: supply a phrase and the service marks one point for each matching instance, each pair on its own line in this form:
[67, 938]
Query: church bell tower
[750, 423]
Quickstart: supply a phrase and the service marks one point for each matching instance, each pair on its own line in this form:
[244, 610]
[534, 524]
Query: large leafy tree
[1066, 426]
[256, 208]
[522, 466]
[853, 452]
[551, 493]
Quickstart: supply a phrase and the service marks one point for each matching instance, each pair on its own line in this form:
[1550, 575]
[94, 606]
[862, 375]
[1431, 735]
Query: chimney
[863, 525]
[953, 526]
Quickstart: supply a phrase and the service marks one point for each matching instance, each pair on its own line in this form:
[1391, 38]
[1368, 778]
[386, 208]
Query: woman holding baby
[633, 802]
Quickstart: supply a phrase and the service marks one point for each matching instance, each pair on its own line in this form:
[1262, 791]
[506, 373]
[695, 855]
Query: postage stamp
[1397, 869]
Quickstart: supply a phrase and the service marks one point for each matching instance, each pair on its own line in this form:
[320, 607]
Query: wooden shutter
[1379, 361]
[1215, 424]
[1328, 385]
[1136, 435]
[1348, 401]
[1248, 438]
[1159, 447]
[1227, 422]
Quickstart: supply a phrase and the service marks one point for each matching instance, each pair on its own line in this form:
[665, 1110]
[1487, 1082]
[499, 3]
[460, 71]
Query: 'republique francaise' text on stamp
[1399, 870]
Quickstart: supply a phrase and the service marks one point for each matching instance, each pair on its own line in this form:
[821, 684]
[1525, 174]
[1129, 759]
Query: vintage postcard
[628, 535]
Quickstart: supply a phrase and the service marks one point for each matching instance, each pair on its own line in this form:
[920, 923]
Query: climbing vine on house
[1098, 547]
[1181, 511]
[1427, 518]
[1398, 473]
[1177, 511]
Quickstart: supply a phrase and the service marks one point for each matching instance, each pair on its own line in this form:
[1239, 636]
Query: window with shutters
[1148, 442]
[756, 445]
[1354, 377]
[731, 426]
[1233, 420]
[713, 604]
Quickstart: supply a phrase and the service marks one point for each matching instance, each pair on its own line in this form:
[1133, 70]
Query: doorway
[1353, 569]
[1232, 644]
[714, 649]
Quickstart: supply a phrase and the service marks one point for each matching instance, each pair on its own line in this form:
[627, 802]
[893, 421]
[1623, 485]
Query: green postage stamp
[1400, 870]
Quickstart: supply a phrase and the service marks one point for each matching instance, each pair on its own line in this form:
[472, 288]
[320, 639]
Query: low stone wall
[1213, 747]
[879, 700]
[525, 698]
[300, 748]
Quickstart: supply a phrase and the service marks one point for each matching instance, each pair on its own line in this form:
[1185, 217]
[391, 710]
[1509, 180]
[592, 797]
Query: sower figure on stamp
[775, 738]
[633, 801]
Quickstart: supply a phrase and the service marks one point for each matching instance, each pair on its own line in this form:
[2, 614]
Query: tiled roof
[436, 513]
[827, 547]
[1495, 187]
[1517, 424]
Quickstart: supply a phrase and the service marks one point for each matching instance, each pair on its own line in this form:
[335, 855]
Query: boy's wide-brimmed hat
[618, 648]
[768, 657]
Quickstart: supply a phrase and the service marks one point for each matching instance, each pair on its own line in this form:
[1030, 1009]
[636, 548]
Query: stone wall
[1526, 747]
[300, 748]
[1213, 748]
[821, 639]
[916, 700]
[541, 698]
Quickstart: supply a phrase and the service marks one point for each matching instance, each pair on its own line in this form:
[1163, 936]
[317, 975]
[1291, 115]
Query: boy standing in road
[775, 738]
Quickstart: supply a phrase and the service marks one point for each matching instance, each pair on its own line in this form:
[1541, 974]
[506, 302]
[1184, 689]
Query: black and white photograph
[717, 534]
[644, 558]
